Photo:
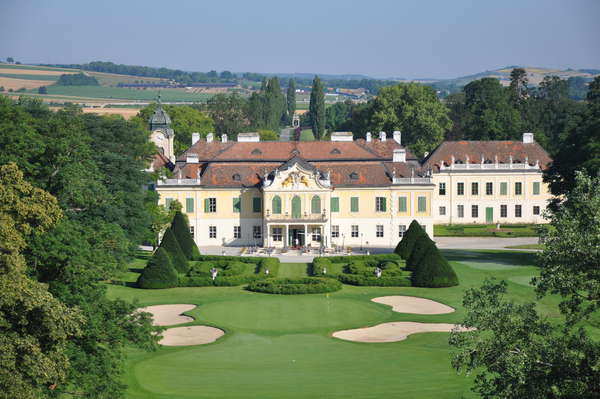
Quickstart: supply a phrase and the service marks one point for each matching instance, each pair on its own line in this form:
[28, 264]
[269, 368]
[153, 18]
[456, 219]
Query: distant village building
[346, 192]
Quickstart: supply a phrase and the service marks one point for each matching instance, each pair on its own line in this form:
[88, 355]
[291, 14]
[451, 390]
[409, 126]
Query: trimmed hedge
[159, 272]
[233, 271]
[170, 244]
[392, 281]
[405, 246]
[316, 268]
[434, 271]
[181, 229]
[288, 286]
[421, 246]
[360, 270]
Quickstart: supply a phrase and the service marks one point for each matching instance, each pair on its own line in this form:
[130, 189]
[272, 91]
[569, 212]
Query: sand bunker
[193, 335]
[411, 304]
[393, 332]
[167, 315]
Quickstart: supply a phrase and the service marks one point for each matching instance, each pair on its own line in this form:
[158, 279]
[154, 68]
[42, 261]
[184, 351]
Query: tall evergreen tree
[316, 109]
[170, 244]
[181, 229]
[159, 272]
[291, 100]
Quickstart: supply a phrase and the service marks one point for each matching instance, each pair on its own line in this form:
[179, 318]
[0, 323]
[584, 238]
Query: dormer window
[458, 161]
[256, 151]
[335, 151]
[488, 161]
[236, 177]
[354, 176]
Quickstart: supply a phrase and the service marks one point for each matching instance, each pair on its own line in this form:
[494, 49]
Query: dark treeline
[76, 79]
[87, 172]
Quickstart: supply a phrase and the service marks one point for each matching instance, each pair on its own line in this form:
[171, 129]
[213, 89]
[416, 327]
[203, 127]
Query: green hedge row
[233, 271]
[360, 270]
[392, 281]
[288, 286]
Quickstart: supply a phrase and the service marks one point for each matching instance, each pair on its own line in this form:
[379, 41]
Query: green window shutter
[422, 203]
[354, 204]
[189, 205]
[237, 205]
[384, 205]
[503, 188]
[335, 204]
[168, 202]
[536, 188]
[315, 205]
[276, 205]
[402, 204]
[206, 205]
[256, 204]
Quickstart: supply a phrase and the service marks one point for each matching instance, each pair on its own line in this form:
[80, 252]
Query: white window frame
[237, 232]
[257, 232]
[379, 232]
[401, 230]
[212, 231]
[442, 211]
[316, 234]
[277, 234]
[335, 231]
[460, 211]
[354, 231]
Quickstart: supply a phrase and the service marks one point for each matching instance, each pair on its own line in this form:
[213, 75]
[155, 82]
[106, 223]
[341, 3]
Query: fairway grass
[280, 346]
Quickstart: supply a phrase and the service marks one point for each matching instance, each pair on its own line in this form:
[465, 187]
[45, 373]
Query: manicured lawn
[485, 230]
[280, 346]
[306, 135]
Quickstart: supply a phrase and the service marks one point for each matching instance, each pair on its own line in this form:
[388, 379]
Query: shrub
[170, 244]
[421, 246]
[159, 272]
[287, 286]
[434, 271]
[234, 270]
[181, 229]
[391, 281]
[405, 246]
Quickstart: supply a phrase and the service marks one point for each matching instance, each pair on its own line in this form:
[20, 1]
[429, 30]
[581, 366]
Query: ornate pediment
[297, 175]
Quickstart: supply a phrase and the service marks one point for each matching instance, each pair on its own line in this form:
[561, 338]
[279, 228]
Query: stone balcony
[178, 182]
[302, 218]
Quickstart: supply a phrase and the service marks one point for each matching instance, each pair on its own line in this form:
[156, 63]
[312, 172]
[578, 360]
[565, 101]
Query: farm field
[125, 93]
[280, 346]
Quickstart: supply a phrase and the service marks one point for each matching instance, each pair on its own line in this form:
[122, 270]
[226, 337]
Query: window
[379, 231]
[316, 234]
[461, 211]
[518, 188]
[236, 177]
[315, 204]
[193, 232]
[256, 204]
[442, 211]
[189, 205]
[168, 202]
[277, 233]
[335, 231]
[276, 204]
[237, 232]
[442, 188]
[354, 231]
[422, 204]
[401, 230]
[354, 204]
[474, 188]
[354, 176]
[402, 204]
[536, 188]
[518, 211]
[474, 211]
[503, 211]
[212, 231]
[257, 232]
[335, 204]
[237, 205]
[489, 188]
[380, 204]
[536, 210]
[504, 188]
[210, 205]
[460, 188]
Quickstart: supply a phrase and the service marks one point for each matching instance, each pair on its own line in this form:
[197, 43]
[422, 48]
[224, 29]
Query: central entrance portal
[297, 237]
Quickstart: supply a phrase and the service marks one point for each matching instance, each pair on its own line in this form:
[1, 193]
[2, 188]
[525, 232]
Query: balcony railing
[303, 218]
[413, 180]
[500, 166]
[177, 182]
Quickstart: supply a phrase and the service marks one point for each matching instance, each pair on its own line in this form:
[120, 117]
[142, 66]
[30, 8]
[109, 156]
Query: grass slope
[280, 346]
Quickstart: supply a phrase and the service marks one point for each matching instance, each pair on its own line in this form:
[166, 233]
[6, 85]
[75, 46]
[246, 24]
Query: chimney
[210, 137]
[527, 138]
[224, 138]
[382, 136]
[399, 155]
[195, 137]
[191, 158]
[398, 136]
[368, 137]
[341, 136]
[252, 137]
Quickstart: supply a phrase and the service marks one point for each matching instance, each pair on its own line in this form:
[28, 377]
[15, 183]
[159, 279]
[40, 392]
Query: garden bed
[231, 271]
[289, 286]
[361, 270]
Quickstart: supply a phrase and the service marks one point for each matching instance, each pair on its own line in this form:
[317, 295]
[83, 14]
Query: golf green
[280, 346]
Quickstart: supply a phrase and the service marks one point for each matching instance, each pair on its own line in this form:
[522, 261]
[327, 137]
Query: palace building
[344, 192]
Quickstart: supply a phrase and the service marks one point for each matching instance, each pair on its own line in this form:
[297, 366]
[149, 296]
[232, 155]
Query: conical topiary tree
[159, 272]
[181, 229]
[434, 271]
[421, 246]
[405, 246]
[170, 244]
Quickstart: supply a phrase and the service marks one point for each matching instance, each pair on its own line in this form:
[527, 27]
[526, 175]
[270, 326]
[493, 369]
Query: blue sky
[381, 38]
